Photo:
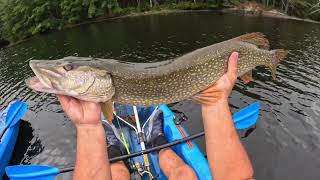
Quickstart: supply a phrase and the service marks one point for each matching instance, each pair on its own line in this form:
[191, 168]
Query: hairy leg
[119, 171]
[174, 167]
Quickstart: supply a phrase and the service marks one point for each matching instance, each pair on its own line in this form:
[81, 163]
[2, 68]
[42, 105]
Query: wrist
[219, 102]
[216, 113]
[88, 125]
[90, 130]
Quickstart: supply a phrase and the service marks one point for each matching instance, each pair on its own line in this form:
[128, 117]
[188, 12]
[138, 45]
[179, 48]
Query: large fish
[99, 80]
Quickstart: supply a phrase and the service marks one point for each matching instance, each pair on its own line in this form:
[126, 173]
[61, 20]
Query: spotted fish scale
[197, 71]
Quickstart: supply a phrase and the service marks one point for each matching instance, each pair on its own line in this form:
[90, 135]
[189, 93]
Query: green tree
[22, 18]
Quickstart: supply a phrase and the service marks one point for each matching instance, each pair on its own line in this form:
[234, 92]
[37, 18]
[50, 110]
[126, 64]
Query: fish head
[80, 78]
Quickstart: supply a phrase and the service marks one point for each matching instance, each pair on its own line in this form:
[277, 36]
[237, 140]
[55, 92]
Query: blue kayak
[9, 128]
[132, 135]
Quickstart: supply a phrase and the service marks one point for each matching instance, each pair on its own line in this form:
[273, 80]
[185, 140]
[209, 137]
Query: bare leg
[174, 167]
[119, 171]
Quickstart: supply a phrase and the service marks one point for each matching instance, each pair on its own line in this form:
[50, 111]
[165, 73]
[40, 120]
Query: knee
[119, 171]
[183, 172]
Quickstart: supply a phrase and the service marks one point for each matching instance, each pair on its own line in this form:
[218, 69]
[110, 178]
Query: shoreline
[234, 11]
[271, 14]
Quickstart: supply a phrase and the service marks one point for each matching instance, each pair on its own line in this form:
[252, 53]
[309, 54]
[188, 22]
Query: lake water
[286, 141]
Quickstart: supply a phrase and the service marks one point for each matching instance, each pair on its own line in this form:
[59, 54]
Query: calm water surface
[286, 141]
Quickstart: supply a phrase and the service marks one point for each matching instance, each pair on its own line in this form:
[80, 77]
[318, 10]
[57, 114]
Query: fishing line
[124, 140]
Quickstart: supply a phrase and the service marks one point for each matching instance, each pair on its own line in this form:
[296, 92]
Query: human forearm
[226, 155]
[91, 158]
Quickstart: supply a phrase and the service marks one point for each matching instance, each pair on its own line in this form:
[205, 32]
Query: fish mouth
[35, 84]
[41, 82]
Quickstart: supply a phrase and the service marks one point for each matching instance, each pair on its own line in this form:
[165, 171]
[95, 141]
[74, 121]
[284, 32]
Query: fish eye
[68, 67]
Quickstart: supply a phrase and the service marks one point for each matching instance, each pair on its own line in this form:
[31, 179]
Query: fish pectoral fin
[247, 77]
[255, 38]
[107, 110]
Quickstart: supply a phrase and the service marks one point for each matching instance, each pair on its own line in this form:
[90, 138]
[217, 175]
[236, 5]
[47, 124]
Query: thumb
[64, 100]
[232, 71]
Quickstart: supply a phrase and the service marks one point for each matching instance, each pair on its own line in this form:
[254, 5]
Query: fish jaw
[44, 76]
[35, 84]
[82, 82]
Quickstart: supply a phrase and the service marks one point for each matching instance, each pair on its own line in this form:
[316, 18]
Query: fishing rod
[141, 140]
[147, 151]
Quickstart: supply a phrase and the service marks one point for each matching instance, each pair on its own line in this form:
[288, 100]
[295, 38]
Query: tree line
[300, 8]
[20, 19]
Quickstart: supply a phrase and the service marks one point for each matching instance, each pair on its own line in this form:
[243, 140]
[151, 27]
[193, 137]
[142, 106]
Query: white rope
[124, 121]
[150, 117]
[145, 123]
[138, 129]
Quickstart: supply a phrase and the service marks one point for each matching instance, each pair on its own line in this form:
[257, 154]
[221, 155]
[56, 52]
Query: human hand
[220, 91]
[81, 112]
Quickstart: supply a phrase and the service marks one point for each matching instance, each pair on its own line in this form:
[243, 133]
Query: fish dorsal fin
[255, 38]
[247, 77]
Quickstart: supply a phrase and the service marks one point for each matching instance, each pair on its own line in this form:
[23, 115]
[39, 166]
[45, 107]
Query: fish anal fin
[247, 77]
[256, 38]
[279, 55]
[107, 110]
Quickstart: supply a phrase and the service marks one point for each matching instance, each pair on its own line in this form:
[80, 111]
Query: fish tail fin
[278, 55]
[255, 38]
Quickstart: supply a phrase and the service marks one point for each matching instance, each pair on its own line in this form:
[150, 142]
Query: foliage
[231, 3]
[71, 11]
[299, 8]
[314, 11]
[185, 6]
[20, 19]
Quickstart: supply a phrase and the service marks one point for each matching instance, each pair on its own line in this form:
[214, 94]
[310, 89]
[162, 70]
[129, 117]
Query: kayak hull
[7, 144]
[9, 129]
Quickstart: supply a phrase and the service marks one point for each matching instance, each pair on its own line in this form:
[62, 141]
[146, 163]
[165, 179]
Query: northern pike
[99, 80]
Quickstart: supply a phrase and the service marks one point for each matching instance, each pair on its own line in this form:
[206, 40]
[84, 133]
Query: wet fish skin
[155, 83]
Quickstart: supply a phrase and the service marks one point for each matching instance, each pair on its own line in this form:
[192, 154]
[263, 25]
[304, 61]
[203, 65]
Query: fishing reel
[143, 171]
